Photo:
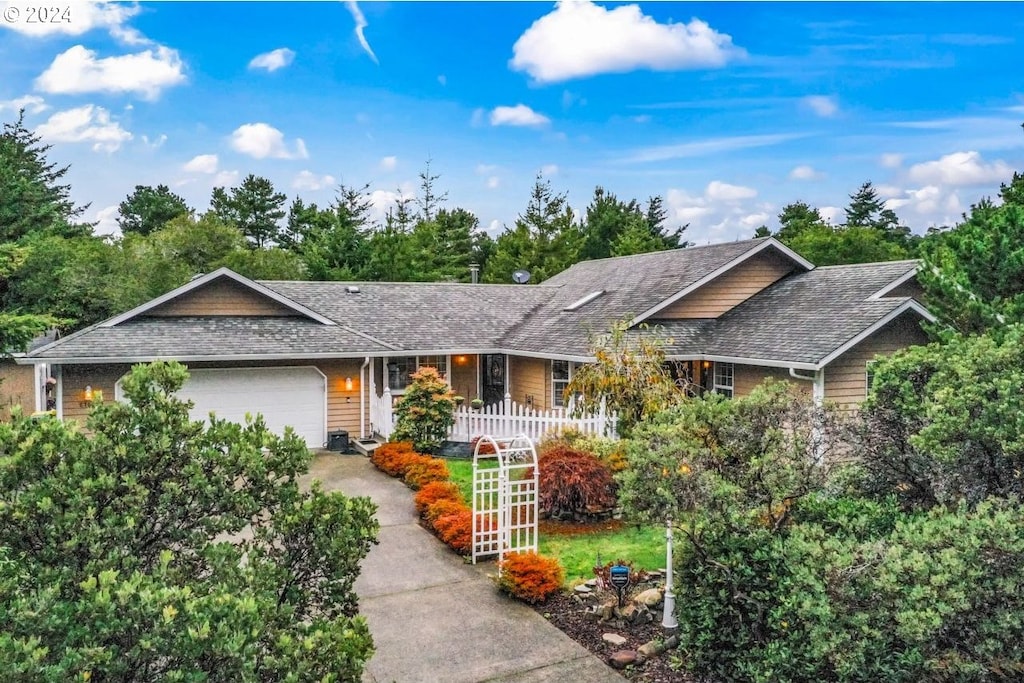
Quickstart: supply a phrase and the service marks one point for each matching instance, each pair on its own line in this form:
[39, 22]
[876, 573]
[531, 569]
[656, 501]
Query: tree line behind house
[52, 263]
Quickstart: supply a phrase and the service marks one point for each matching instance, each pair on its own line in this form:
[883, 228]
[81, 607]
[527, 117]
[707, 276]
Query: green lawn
[645, 546]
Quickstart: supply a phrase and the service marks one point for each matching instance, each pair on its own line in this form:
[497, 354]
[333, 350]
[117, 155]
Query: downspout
[363, 388]
[818, 383]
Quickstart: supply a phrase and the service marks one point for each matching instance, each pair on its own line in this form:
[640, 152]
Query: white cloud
[87, 123]
[493, 182]
[361, 23]
[755, 220]
[484, 169]
[203, 163]
[33, 104]
[261, 140]
[273, 60]
[71, 19]
[891, 160]
[548, 170]
[960, 169]
[805, 172]
[388, 163]
[581, 39]
[519, 115]
[106, 221]
[78, 70]
[225, 179]
[708, 147]
[307, 180]
[719, 191]
[154, 144]
[822, 105]
[831, 214]
[931, 205]
[494, 227]
[383, 200]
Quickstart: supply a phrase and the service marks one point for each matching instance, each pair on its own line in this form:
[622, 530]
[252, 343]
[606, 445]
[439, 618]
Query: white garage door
[293, 397]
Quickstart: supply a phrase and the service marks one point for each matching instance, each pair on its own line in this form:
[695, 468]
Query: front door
[492, 378]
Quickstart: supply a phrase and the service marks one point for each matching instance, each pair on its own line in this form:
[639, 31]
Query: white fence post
[508, 418]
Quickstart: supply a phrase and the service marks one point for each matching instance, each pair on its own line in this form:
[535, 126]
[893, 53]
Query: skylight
[576, 305]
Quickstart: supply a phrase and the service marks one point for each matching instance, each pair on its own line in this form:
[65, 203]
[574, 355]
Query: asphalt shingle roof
[195, 336]
[631, 285]
[802, 318]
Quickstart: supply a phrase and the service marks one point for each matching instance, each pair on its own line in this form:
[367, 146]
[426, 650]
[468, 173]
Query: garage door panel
[292, 397]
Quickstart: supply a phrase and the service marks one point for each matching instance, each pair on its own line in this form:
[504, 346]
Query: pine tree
[148, 209]
[254, 207]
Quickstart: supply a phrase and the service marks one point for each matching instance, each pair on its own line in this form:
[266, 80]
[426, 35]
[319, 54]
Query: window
[439, 363]
[561, 373]
[400, 368]
[869, 377]
[724, 379]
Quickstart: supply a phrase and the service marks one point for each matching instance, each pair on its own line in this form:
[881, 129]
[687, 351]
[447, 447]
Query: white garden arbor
[504, 496]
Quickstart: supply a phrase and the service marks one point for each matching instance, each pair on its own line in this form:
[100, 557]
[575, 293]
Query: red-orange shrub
[394, 458]
[456, 530]
[434, 491]
[425, 469]
[442, 507]
[529, 576]
[486, 449]
[573, 482]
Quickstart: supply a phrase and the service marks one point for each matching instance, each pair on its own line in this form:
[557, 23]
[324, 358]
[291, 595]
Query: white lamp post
[668, 620]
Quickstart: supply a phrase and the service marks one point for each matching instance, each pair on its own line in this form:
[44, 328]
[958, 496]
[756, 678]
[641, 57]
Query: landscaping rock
[622, 658]
[651, 597]
[614, 639]
[591, 583]
[651, 649]
[629, 613]
[672, 642]
[583, 590]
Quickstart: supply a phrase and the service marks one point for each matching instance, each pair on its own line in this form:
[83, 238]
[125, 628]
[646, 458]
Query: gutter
[818, 386]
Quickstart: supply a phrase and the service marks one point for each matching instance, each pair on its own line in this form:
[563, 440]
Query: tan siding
[530, 377]
[221, 297]
[75, 378]
[746, 377]
[463, 376]
[17, 388]
[342, 413]
[845, 381]
[730, 288]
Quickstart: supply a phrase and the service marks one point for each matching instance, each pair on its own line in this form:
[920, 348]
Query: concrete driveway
[435, 618]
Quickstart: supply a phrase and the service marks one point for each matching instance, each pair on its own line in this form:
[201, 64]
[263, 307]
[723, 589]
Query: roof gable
[218, 293]
[757, 249]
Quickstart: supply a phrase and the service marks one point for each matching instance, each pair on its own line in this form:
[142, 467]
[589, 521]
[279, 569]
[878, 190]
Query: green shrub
[425, 412]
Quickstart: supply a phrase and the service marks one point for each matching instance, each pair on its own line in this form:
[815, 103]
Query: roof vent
[584, 301]
[352, 289]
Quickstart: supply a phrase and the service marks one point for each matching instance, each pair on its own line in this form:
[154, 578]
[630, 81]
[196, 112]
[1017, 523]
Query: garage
[294, 397]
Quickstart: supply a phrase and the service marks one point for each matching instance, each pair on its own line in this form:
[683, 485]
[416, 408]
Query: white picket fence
[504, 419]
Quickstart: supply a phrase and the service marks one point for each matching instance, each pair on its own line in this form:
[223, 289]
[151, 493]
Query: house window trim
[557, 400]
[727, 390]
[418, 364]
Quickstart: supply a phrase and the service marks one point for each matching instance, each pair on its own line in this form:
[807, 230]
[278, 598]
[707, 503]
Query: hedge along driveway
[434, 617]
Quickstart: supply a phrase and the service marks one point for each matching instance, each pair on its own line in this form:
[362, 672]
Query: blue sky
[728, 110]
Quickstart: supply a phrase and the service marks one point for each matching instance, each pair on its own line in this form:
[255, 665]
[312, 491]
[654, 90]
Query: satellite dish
[521, 277]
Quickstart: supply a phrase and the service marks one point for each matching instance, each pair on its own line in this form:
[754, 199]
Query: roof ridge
[871, 263]
[664, 251]
[387, 282]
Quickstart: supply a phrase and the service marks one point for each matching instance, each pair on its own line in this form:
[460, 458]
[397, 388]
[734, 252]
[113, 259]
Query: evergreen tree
[445, 245]
[390, 247]
[254, 207]
[544, 240]
[334, 245]
[608, 218]
[148, 209]
[32, 198]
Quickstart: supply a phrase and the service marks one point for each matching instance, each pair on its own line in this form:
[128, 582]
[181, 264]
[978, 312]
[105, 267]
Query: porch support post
[58, 370]
[818, 390]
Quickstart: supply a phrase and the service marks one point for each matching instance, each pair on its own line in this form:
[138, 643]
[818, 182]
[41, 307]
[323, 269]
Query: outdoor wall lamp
[86, 397]
[460, 360]
[348, 384]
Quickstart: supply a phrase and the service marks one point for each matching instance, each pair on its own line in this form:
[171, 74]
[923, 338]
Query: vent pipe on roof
[474, 273]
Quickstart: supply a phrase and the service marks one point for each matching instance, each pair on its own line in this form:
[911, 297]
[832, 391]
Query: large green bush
[784, 576]
[151, 547]
[425, 412]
